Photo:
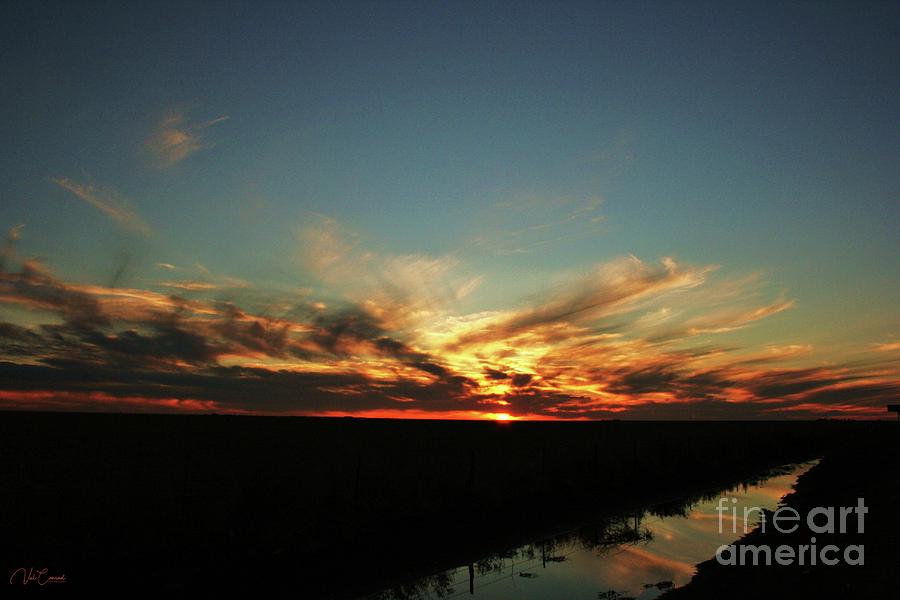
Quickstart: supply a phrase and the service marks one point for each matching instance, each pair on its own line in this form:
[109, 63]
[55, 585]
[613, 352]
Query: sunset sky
[465, 210]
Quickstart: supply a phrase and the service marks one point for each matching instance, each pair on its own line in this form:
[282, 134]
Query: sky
[451, 210]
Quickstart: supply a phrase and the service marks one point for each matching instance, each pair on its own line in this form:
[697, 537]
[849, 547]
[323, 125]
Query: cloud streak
[524, 225]
[106, 201]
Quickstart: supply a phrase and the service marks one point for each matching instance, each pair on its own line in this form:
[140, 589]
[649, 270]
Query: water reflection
[637, 555]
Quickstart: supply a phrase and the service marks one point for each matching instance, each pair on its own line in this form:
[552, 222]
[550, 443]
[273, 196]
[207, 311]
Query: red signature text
[38, 576]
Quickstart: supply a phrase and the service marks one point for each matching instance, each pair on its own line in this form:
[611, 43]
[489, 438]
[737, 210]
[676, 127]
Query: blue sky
[525, 142]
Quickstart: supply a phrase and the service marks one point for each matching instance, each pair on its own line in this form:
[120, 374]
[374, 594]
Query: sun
[502, 417]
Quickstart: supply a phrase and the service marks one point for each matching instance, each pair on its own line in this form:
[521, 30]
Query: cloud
[9, 247]
[141, 330]
[189, 286]
[613, 287]
[521, 379]
[33, 287]
[154, 354]
[108, 202]
[732, 319]
[176, 137]
[582, 350]
[400, 289]
[523, 225]
[886, 347]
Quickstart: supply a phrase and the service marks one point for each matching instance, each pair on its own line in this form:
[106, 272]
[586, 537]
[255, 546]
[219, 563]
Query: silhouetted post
[471, 579]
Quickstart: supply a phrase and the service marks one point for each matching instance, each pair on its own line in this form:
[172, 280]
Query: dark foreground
[333, 508]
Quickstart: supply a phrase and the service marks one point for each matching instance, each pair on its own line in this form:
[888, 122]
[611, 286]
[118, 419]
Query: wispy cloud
[612, 287]
[524, 225]
[107, 201]
[887, 347]
[9, 247]
[398, 288]
[176, 137]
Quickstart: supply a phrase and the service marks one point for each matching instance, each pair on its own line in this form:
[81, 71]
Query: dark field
[332, 508]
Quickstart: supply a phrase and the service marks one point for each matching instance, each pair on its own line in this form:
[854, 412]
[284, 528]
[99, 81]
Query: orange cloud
[177, 138]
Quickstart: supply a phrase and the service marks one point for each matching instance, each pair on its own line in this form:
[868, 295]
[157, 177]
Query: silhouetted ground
[329, 508]
[858, 467]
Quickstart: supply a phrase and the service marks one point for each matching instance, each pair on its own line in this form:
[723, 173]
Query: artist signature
[38, 576]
